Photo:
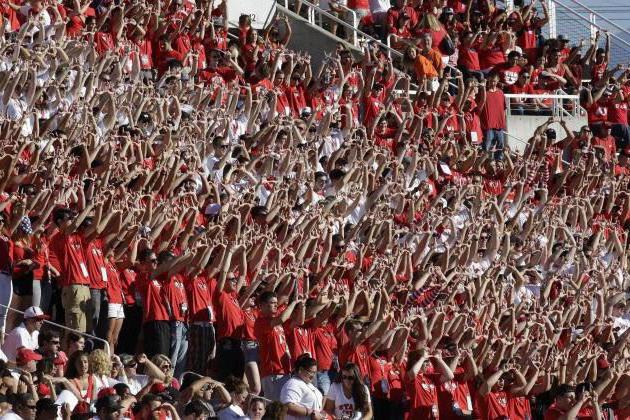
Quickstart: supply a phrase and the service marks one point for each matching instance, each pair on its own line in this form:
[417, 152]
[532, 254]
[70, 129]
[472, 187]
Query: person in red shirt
[93, 250]
[601, 60]
[75, 278]
[275, 359]
[155, 313]
[566, 406]
[604, 142]
[617, 105]
[201, 338]
[6, 262]
[174, 294]
[400, 8]
[454, 399]
[491, 102]
[230, 319]
[509, 70]
[421, 382]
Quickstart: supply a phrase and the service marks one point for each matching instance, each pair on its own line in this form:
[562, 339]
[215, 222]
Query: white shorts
[115, 310]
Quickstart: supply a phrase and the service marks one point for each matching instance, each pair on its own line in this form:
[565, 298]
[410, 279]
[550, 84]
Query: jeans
[272, 385]
[97, 302]
[6, 293]
[494, 142]
[324, 378]
[621, 133]
[42, 294]
[179, 346]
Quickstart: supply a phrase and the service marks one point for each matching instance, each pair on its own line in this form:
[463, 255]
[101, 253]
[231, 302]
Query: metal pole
[63, 327]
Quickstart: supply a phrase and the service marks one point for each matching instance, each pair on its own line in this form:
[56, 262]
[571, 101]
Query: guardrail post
[591, 18]
[551, 6]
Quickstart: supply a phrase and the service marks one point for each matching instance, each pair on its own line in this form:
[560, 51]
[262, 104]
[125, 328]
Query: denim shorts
[250, 350]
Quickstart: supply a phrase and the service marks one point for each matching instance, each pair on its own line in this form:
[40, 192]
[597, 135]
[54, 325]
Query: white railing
[63, 327]
[559, 104]
[355, 22]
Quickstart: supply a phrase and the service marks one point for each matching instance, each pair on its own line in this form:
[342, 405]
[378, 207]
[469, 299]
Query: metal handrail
[343, 23]
[590, 23]
[92, 337]
[354, 21]
[605, 19]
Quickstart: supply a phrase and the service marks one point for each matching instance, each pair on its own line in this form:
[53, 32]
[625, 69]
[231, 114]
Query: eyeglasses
[166, 366]
[347, 377]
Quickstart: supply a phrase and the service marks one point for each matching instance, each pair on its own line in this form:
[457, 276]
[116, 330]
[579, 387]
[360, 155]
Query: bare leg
[253, 377]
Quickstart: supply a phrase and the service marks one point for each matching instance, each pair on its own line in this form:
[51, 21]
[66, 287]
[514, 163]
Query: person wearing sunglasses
[348, 397]
[24, 408]
[302, 399]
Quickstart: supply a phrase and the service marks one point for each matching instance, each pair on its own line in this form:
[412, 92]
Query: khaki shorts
[75, 300]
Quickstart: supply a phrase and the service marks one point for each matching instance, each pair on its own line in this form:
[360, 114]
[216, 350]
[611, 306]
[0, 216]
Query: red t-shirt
[494, 406]
[300, 340]
[468, 58]
[608, 144]
[519, 408]
[199, 299]
[358, 355]
[72, 261]
[93, 251]
[104, 41]
[617, 112]
[325, 346]
[128, 285]
[175, 295]
[154, 306]
[492, 114]
[229, 315]
[454, 394]
[422, 394]
[249, 316]
[114, 287]
[273, 350]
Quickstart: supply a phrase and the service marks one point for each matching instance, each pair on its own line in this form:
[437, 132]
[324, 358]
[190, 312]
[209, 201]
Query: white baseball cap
[35, 312]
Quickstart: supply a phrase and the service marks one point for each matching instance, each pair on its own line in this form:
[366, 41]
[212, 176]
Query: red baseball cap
[25, 355]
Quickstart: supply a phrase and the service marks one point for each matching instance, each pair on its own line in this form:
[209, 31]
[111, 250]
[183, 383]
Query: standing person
[348, 397]
[201, 338]
[75, 279]
[177, 302]
[229, 360]
[275, 360]
[302, 399]
[26, 334]
[155, 313]
[421, 381]
[6, 262]
[115, 299]
[491, 102]
[24, 264]
[95, 259]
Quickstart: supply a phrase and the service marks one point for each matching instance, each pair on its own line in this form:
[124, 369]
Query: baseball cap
[25, 355]
[562, 38]
[35, 312]
[551, 133]
[448, 11]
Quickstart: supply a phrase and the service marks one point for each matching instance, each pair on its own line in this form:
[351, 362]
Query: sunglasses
[347, 377]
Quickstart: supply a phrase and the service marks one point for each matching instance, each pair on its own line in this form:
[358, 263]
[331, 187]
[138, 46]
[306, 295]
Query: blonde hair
[430, 22]
[100, 363]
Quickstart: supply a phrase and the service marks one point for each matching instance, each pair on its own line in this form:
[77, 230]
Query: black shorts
[229, 359]
[23, 285]
[157, 338]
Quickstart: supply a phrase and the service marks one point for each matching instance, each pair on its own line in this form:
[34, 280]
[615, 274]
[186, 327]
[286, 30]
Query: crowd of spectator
[200, 223]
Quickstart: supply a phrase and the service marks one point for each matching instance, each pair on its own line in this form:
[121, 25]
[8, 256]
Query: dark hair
[72, 372]
[266, 296]
[197, 408]
[145, 254]
[60, 214]
[47, 335]
[304, 361]
[236, 385]
[74, 337]
[359, 391]
[563, 389]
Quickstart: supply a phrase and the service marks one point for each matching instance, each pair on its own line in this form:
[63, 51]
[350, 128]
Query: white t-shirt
[233, 412]
[10, 416]
[19, 337]
[296, 391]
[137, 382]
[344, 406]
